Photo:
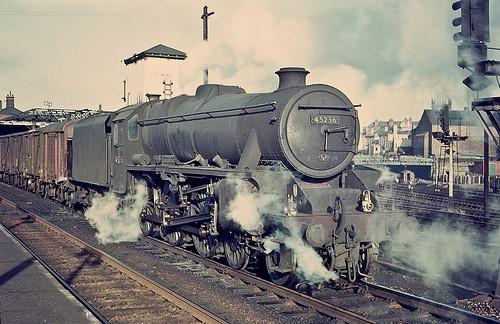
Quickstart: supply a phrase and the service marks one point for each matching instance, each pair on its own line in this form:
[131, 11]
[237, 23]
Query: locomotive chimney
[153, 96]
[291, 77]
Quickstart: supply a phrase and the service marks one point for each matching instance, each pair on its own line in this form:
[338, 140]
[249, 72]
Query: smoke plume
[251, 210]
[115, 223]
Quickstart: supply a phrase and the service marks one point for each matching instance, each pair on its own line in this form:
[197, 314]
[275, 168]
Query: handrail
[265, 107]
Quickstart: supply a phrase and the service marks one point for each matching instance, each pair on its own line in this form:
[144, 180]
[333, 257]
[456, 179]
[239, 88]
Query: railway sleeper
[141, 312]
[139, 302]
[114, 293]
[107, 285]
[146, 297]
[350, 300]
[374, 307]
[404, 316]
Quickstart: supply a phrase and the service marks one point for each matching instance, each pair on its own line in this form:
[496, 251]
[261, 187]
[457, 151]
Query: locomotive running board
[183, 169]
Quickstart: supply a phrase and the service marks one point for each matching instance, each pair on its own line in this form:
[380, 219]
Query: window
[133, 128]
[115, 134]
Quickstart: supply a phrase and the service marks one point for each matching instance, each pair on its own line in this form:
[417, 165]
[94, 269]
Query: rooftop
[44, 115]
[10, 111]
[159, 51]
[457, 117]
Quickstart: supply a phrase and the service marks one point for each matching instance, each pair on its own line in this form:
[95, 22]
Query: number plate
[324, 120]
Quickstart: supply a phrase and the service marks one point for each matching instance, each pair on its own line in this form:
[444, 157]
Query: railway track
[432, 206]
[112, 291]
[401, 267]
[369, 304]
[474, 195]
[365, 302]
[468, 200]
[425, 209]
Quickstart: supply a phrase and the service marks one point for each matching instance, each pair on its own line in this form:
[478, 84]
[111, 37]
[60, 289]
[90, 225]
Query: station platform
[29, 293]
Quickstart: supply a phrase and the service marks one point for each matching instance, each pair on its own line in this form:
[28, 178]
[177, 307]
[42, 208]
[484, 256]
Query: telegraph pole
[204, 17]
[451, 172]
[486, 173]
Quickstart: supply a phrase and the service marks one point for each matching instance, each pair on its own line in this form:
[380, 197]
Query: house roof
[10, 111]
[457, 117]
[160, 51]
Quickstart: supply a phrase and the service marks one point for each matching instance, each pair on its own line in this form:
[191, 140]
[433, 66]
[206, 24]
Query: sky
[390, 56]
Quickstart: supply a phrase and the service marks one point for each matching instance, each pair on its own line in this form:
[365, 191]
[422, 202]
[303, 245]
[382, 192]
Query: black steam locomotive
[198, 153]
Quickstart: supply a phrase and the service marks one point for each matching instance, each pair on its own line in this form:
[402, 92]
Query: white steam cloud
[309, 263]
[115, 223]
[249, 211]
[379, 52]
[447, 252]
[387, 176]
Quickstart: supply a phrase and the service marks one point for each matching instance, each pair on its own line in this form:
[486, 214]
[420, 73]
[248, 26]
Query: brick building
[462, 122]
[383, 137]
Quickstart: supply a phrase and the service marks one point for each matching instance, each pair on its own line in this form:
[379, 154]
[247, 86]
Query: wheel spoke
[147, 227]
[206, 247]
[237, 254]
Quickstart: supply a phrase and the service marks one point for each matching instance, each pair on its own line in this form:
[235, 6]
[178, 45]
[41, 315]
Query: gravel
[481, 304]
[228, 297]
[225, 296]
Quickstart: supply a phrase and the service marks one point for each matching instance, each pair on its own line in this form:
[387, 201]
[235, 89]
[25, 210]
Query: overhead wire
[49, 13]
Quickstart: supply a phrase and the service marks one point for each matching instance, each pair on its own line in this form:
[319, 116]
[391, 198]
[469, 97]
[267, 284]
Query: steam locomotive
[195, 153]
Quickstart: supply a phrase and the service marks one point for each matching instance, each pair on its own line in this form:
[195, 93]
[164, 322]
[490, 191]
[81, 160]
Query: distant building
[153, 73]
[462, 123]
[10, 107]
[9, 112]
[383, 137]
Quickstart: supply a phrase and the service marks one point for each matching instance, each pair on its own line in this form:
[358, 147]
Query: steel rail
[438, 309]
[59, 279]
[408, 300]
[195, 310]
[465, 203]
[297, 297]
[417, 206]
[405, 269]
[470, 213]
[462, 197]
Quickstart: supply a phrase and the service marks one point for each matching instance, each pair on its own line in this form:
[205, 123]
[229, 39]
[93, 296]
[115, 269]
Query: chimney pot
[9, 102]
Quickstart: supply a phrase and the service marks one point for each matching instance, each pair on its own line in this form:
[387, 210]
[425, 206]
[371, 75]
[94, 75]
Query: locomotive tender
[194, 151]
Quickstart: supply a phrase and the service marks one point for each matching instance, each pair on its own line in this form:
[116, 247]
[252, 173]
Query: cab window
[133, 128]
[115, 134]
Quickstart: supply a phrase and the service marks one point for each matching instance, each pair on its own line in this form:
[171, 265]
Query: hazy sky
[391, 56]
